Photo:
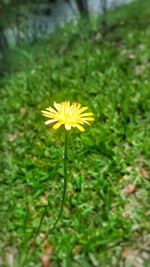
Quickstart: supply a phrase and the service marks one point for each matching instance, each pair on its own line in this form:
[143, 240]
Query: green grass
[103, 224]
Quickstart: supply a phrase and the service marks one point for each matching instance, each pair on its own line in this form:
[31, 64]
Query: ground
[105, 219]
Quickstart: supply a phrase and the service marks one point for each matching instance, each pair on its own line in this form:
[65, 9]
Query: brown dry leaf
[22, 110]
[42, 235]
[142, 46]
[130, 188]
[128, 53]
[77, 249]
[46, 259]
[134, 257]
[127, 252]
[144, 173]
[139, 69]
[12, 137]
[43, 201]
[131, 56]
[10, 258]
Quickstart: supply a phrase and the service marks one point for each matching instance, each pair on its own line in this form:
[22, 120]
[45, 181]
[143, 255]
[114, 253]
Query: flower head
[71, 115]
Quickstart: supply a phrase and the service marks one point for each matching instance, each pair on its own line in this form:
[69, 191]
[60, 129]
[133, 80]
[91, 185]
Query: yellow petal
[87, 122]
[88, 119]
[50, 121]
[49, 115]
[67, 114]
[57, 106]
[79, 127]
[82, 110]
[87, 114]
[57, 125]
[51, 110]
[68, 127]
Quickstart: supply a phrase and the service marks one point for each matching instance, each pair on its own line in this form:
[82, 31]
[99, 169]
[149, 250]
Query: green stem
[65, 179]
[65, 187]
[64, 193]
[63, 197]
[41, 221]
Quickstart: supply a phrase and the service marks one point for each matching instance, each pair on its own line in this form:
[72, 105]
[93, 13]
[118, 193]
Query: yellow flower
[71, 115]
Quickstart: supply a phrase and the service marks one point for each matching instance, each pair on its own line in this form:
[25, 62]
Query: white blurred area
[37, 21]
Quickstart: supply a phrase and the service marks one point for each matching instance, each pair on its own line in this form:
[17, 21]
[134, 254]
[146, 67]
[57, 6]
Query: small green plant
[71, 116]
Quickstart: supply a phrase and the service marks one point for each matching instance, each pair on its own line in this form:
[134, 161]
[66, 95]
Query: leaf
[10, 258]
[127, 252]
[77, 249]
[144, 173]
[130, 188]
[93, 259]
[139, 69]
[46, 258]
[131, 56]
[22, 110]
[12, 137]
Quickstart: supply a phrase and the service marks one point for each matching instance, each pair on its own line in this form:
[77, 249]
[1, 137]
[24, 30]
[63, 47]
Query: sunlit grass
[108, 199]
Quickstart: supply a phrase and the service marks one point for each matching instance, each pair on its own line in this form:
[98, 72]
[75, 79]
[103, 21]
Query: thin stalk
[65, 186]
[36, 234]
[63, 196]
[41, 221]
[65, 179]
